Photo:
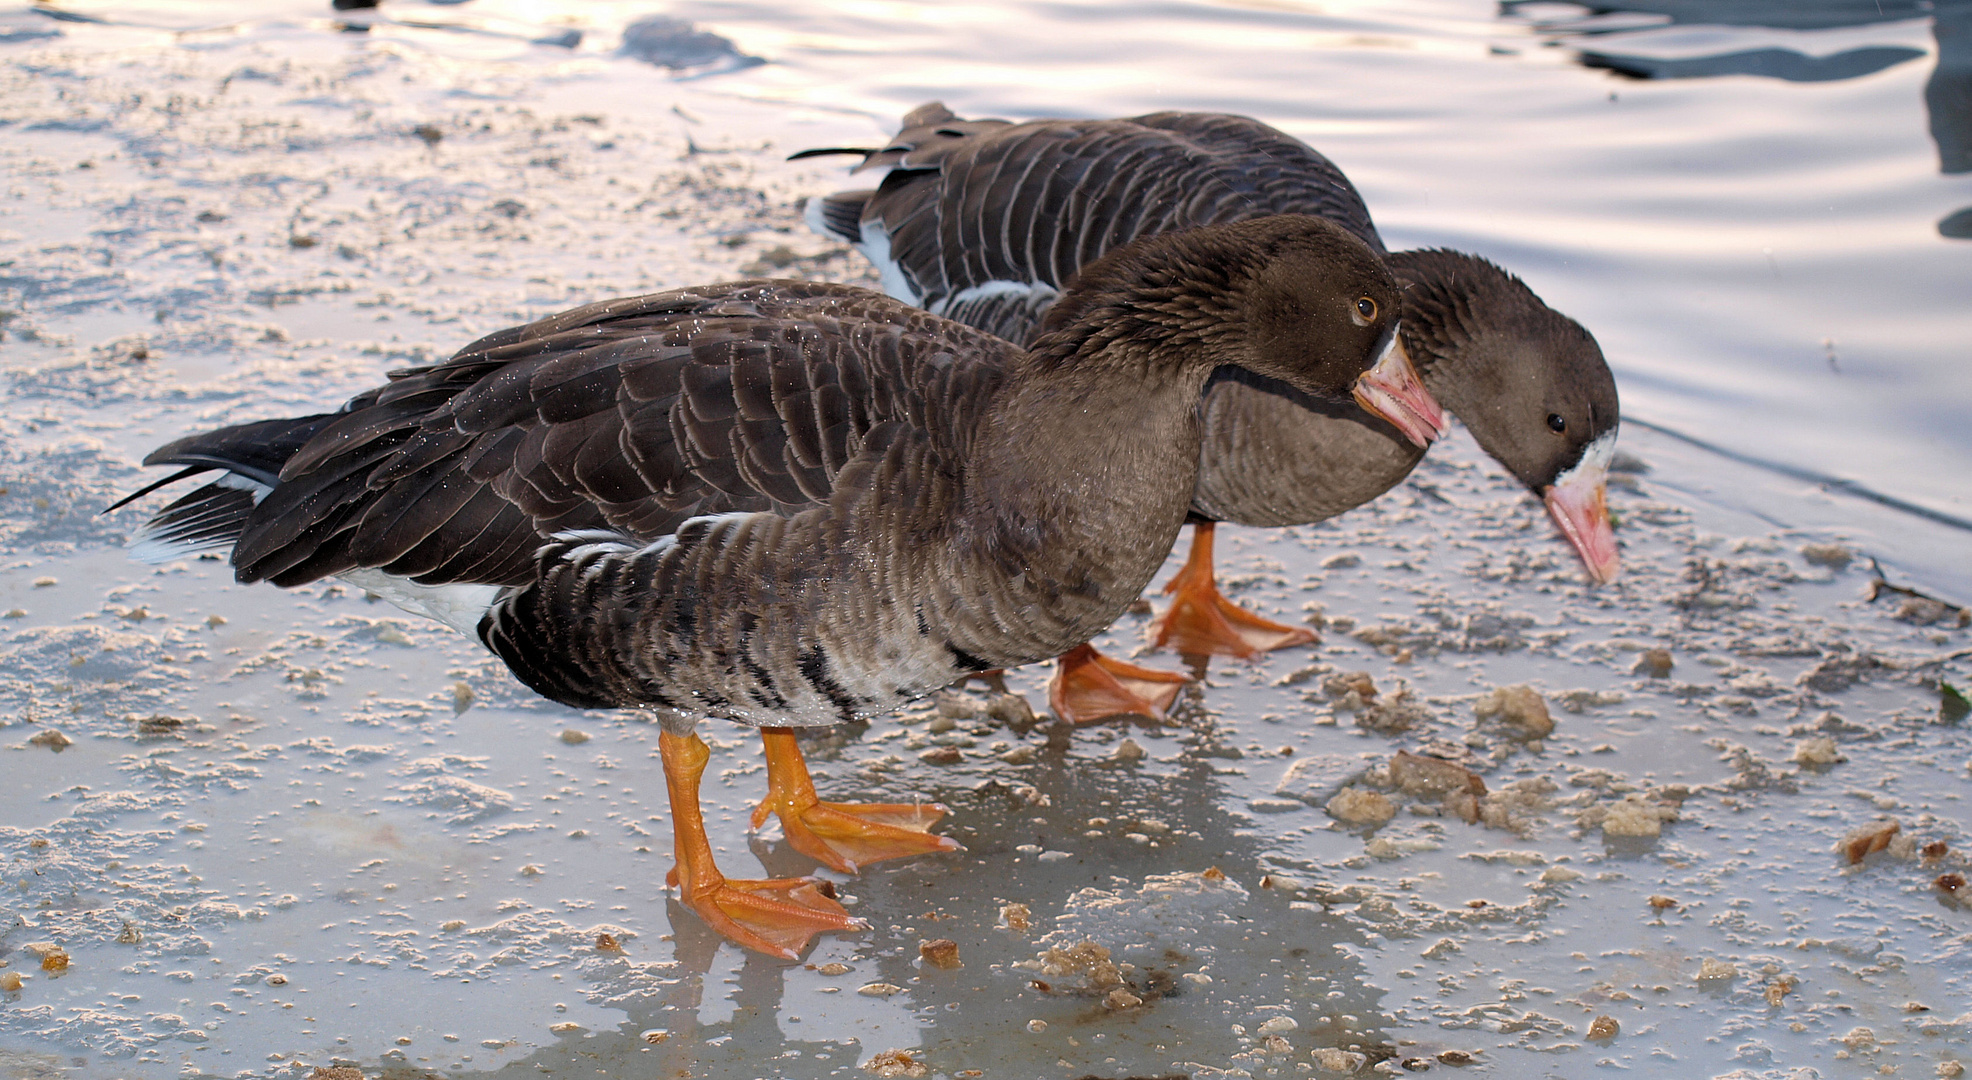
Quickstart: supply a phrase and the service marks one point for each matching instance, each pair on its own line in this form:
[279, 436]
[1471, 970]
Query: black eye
[1366, 307]
[1556, 423]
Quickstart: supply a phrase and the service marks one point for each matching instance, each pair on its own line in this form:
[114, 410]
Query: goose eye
[1366, 308]
[1556, 423]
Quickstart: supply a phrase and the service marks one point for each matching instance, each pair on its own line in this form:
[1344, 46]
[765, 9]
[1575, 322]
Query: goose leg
[1088, 686]
[1201, 620]
[841, 836]
[776, 917]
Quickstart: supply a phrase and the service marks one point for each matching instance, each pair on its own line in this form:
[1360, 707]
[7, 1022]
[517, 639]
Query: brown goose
[984, 220]
[784, 503]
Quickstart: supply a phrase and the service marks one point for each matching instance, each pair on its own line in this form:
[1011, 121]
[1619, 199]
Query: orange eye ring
[1366, 308]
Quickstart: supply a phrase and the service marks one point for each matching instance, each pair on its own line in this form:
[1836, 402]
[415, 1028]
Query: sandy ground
[254, 833]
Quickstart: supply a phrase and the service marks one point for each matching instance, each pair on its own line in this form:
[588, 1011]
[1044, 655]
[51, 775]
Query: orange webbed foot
[842, 836]
[1202, 622]
[1088, 686]
[776, 916]
[850, 836]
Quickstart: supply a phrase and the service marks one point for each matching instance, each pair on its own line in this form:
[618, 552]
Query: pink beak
[1393, 391]
[1576, 502]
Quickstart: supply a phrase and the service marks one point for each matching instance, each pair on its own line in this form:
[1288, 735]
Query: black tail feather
[842, 213]
[826, 151]
[249, 456]
[181, 474]
[256, 451]
[209, 519]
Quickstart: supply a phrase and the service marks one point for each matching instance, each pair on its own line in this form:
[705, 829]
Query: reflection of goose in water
[1948, 94]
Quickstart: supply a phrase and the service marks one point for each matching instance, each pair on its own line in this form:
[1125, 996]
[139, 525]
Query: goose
[983, 221]
[786, 504]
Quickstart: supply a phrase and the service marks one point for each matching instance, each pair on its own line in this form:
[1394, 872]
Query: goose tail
[248, 458]
[838, 216]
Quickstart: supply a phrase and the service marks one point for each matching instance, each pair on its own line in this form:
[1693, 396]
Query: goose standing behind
[784, 503]
[983, 221]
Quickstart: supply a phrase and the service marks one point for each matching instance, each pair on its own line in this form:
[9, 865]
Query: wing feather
[631, 415]
[972, 202]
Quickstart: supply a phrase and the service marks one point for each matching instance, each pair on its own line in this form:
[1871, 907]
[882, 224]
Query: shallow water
[329, 852]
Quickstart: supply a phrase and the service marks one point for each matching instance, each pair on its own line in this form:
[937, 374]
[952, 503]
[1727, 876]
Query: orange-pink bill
[1578, 503]
[1392, 390]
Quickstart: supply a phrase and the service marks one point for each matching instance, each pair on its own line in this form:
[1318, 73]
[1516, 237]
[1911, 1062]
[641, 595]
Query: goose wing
[629, 416]
[986, 223]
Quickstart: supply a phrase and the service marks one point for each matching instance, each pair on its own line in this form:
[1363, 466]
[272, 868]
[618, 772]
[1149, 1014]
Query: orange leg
[1088, 686]
[841, 836]
[1202, 621]
[776, 917]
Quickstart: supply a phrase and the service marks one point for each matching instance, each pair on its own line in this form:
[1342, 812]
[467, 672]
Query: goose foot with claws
[1088, 686]
[841, 836]
[777, 916]
[1202, 622]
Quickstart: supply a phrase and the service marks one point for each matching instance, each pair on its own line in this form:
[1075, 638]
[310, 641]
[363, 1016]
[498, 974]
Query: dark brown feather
[387, 482]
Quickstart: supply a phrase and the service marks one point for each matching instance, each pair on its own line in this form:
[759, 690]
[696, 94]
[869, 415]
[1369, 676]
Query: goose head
[1529, 383]
[1290, 297]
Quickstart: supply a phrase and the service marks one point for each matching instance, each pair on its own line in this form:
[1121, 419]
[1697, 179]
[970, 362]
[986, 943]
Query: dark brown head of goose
[1291, 297]
[1529, 382]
